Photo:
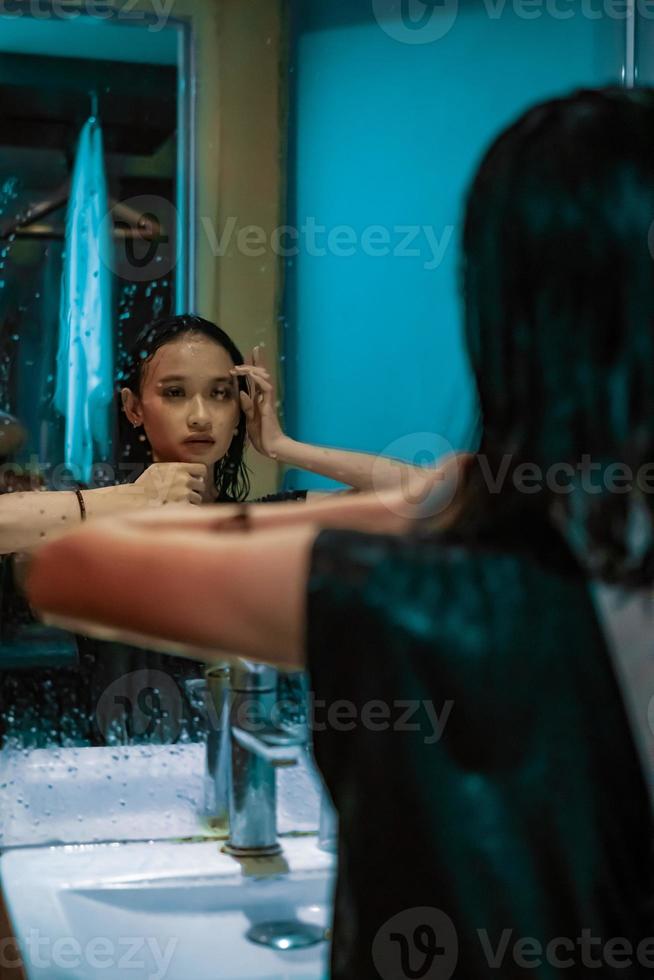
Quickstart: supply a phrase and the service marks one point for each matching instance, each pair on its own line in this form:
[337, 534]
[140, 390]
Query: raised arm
[362, 471]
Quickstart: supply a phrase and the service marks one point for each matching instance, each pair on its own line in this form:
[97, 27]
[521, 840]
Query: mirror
[97, 225]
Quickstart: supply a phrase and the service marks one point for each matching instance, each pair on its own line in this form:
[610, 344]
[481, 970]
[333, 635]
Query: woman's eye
[222, 392]
[174, 393]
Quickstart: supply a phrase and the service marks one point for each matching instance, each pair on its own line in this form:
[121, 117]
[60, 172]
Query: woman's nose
[198, 417]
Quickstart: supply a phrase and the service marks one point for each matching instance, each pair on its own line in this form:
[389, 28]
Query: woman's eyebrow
[181, 377]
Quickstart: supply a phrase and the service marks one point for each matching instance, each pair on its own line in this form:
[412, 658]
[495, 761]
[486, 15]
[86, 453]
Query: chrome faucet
[245, 746]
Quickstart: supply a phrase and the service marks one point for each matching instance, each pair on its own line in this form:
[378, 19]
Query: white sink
[152, 906]
[164, 911]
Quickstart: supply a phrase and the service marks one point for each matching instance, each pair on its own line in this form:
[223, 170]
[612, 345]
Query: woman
[504, 825]
[188, 387]
[190, 405]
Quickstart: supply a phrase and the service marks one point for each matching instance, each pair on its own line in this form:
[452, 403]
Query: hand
[174, 483]
[259, 405]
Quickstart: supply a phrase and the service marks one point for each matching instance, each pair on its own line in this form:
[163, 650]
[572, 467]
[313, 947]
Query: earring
[136, 424]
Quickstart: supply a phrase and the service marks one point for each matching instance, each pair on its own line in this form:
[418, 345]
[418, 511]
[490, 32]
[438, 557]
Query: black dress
[468, 724]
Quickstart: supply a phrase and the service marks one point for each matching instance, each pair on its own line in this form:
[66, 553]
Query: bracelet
[82, 505]
[240, 521]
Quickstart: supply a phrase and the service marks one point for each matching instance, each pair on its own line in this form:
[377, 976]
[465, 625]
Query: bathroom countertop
[126, 793]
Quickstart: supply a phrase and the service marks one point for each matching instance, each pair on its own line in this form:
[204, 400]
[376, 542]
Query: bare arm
[389, 511]
[242, 594]
[28, 519]
[198, 593]
[362, 471]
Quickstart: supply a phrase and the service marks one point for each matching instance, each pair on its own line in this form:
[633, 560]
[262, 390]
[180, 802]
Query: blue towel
[85, 364]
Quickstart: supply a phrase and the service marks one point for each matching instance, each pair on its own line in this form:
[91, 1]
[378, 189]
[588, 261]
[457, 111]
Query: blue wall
[388, 133]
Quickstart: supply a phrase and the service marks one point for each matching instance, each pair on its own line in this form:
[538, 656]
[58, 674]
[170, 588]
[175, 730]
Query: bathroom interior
[294, 171]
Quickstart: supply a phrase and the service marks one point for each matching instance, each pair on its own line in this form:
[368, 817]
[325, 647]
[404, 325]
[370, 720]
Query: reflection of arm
[28, 519]
[362, 471]
[390, 511]
[228, 591]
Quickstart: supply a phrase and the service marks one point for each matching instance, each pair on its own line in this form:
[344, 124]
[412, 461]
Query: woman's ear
[131, 407]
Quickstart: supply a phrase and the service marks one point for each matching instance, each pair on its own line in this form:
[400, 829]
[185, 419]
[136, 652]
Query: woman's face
[188, 403]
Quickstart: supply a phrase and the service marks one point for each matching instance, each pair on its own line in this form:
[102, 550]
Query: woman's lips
[199, 445]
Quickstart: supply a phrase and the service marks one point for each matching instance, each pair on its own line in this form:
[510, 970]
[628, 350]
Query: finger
[250, 370]
[263, 386]
[262, 393]
[250, 367]
[194, 497]
[260, 380]
[197, 469]
[196, 483]
[243, 371]
[261, 357]
[247, 405]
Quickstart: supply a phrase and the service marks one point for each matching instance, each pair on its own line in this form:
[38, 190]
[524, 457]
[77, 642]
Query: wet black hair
[230, 473]
[558, 291]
